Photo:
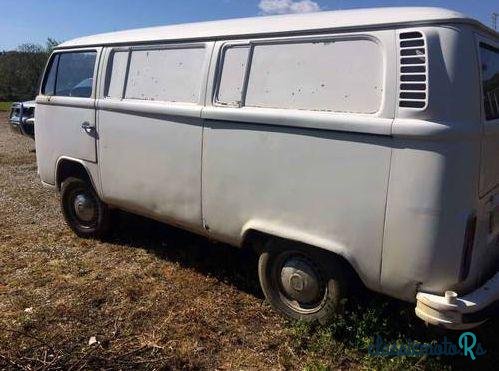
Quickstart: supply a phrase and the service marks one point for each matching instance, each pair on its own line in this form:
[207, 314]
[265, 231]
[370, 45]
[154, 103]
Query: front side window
[71, 75]
[49, 86]
[490, 80]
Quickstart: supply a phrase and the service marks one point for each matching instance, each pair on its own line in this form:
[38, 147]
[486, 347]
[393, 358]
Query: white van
[363, 140]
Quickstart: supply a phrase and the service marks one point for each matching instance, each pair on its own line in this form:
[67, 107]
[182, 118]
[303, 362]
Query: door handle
[89, 128]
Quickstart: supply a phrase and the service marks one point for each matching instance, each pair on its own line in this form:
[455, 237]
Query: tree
[21, 69]
[51, 44]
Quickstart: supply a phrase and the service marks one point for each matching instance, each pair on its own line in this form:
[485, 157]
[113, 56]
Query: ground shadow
[226, 263]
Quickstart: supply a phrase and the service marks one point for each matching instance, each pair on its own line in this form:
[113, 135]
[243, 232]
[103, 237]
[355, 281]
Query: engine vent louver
[413, 70]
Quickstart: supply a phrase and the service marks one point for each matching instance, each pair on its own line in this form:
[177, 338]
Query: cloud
[288, 6]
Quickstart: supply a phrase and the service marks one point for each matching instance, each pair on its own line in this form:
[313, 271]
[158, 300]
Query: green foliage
[20, 70]
[346, 339]
[5, 106]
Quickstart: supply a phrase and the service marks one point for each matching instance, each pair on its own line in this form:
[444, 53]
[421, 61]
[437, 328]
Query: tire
[83, 211]
[288, 272]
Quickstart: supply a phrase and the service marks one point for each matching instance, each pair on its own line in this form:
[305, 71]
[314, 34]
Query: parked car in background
[22, 118]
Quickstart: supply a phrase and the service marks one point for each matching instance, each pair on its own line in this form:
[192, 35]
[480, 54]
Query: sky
[33, 21]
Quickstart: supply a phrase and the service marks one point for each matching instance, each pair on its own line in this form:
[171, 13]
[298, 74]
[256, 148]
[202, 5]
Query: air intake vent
[413, 70]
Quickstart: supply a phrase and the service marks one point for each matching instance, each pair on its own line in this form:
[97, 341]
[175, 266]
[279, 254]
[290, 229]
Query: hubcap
[84, 207]
[300, 280]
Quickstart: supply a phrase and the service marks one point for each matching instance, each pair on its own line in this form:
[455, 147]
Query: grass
[350, 334]
[156, 297]
[5, 106]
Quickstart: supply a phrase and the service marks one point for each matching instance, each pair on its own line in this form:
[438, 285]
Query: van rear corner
[475, 298]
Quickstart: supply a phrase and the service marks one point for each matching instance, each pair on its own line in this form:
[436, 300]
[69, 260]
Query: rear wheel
[301, 283]
[83, 211]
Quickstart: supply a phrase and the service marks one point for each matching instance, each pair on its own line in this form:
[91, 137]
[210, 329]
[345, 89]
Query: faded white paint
[168, 75]
[117, 73]
[280, 25]
[235, 61]
[221, 146]
[337, 75]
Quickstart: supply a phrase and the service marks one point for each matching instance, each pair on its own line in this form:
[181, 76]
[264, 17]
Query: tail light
[469, 242]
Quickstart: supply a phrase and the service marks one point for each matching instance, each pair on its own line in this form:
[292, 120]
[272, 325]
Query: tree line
[21, 70]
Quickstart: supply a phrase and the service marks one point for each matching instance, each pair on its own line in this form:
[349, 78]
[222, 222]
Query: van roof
[275, 25]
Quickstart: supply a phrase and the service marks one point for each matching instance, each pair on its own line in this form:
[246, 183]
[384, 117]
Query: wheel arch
[255, 236]
[70, 167]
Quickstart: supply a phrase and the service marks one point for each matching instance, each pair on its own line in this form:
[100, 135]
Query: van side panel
[434, 176]
[150, 131]
[320, 187]
[427, 212]
[60, 115]
[150, 163]
[305, 157]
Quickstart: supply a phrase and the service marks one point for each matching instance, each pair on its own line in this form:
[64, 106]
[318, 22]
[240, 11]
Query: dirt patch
[152, 296]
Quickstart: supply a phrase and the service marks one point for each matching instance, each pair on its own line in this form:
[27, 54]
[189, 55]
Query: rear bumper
[23, 127]
[16, 128]
[459, 313]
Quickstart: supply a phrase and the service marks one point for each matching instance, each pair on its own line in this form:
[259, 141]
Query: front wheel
[83, 211]
[301, 283]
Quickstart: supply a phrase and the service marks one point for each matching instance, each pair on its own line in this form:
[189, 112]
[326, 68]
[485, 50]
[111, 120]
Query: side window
[70, 75]
[339, 76]
[117, 72]
[170, 75]
[490, 80]
[330, 75]
[75, 74]
[48, 87]
[230, 88]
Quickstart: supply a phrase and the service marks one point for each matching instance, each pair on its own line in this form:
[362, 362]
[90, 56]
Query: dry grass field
[155, 297]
